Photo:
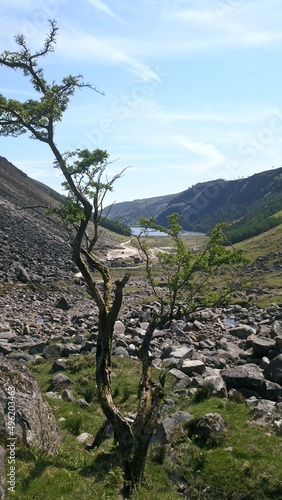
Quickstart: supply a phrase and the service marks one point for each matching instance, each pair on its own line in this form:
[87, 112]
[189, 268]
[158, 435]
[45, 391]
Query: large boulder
[167, 427]
[23, 410]
[245, 377]
[273, 371]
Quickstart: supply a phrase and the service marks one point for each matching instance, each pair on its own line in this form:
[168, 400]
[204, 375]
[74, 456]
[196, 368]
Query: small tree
[189, 274]
[87, 184]
[84, 173]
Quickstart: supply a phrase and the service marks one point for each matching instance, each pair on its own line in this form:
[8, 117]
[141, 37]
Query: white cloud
[208, 152]
[103, 7]
[109, 50]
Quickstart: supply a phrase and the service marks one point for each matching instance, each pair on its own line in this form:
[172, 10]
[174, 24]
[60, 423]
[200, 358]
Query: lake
[152, 232]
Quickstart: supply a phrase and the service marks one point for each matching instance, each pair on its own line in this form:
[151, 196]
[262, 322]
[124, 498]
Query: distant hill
[131, 211]
[243, 202]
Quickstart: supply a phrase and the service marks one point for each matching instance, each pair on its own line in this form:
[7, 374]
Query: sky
[192, 88]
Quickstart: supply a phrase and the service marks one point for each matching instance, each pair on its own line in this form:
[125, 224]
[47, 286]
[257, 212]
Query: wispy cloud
[108, 50]
[103, 7]
[208, 153]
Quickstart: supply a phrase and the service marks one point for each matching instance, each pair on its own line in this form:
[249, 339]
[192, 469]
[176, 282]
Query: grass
[237, 466]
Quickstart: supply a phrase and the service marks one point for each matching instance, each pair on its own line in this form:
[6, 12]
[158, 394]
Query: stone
[248, 376]
[63, 304]
[120, 352]
[37, 348]
[3, 491]
[59, 381]
[242, 331]
[182, 352]
[53, 351]
[22, 274]
[261, 345]
[85, 439]
[219, 386]
[276, 329]
[67, 395]
[168, 425]
[191, 366]
[35, 425]
[208, 428]
[273, 371]
[119, 328]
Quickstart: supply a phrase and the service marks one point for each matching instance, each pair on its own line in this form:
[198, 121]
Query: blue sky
[192, 88]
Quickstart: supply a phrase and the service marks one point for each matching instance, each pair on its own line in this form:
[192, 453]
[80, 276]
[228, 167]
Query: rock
[242, 331]
[3, 491]
[67, 395]
[276, 329]
[5, 348]
[168, 425]
[192, 366]
[35, 424]
[82, 403]
[59, 381]
[219, 386]
[261, 345]
[60, 365]
[22, 274]
[119, 328]
[37, 348]
[182, 352]
[248, 376]
[63, 304]
[178, 374]
[273, 391]
[85, 439]
[121, 352]
[53, 351]
[208, 428]
[273, 371]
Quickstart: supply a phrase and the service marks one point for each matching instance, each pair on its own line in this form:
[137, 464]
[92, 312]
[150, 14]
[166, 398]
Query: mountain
[29, 239]
[131, 211]
[207, 203]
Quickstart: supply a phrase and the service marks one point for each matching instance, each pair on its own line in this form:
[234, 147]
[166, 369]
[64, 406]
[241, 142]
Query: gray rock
[182, 352]
[219, 386]
[168, 425]
[119, 328]
[59, 381]
[120, 352]
[242, 331]
[261, 345]
[208, 427]
[276, 329]
[53, 351]
[248, 376]
[85, 439]
[37, 348]
[22, 274]
[191, 366]
[3, 491]
[60, 365]
[67, 395]
[273, 371]
[35, 424]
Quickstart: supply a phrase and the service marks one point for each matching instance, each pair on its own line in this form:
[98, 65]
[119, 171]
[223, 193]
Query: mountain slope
[207, 203]
[131, 211]
[29, 239]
